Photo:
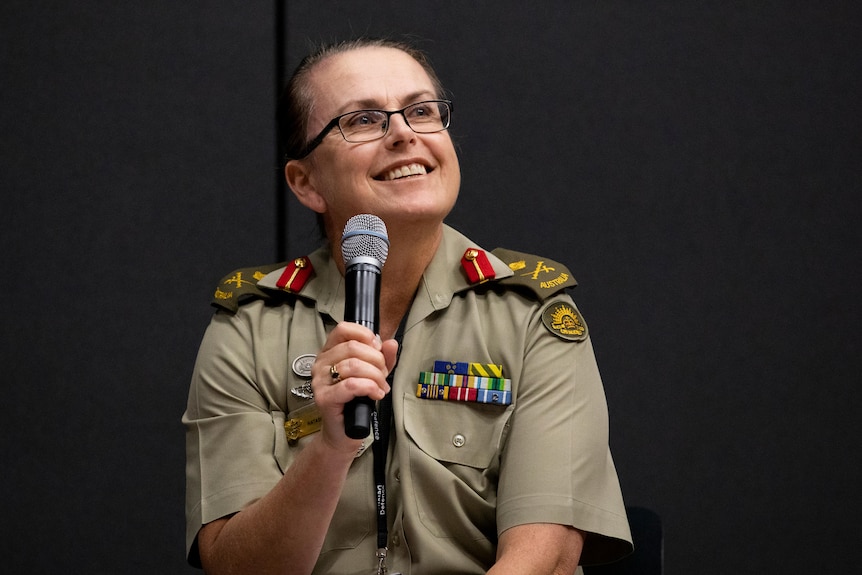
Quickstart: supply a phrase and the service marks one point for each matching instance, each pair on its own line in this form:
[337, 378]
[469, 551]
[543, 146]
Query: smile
[403, 172]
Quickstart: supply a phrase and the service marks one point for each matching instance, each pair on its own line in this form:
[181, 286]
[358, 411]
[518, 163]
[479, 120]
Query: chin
[415, 217]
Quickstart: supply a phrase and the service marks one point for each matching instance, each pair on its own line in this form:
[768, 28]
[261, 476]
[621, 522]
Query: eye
[424, 112]
[363, 119]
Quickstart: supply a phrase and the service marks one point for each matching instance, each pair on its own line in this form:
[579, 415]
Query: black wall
[697, 165]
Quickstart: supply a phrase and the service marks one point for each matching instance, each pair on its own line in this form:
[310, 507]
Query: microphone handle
[362, 306]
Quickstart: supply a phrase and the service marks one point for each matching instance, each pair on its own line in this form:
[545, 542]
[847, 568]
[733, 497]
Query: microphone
[364, 247]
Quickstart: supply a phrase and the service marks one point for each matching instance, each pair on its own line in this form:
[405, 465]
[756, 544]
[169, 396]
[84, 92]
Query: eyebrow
[372, 104]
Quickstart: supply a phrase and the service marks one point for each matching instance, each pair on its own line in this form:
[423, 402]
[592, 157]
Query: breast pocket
[454, 458]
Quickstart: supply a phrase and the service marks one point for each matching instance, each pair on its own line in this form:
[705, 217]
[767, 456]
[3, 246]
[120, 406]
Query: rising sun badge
[563, 320]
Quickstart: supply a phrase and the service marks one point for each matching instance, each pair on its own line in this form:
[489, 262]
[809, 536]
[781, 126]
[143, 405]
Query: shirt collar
[442, 279]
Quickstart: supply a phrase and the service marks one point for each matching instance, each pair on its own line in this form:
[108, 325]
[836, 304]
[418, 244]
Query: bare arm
[284, 530]
[538, 549]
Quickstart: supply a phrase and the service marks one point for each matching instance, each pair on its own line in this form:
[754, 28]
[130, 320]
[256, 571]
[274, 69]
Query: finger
[349, 331]
[361, 378]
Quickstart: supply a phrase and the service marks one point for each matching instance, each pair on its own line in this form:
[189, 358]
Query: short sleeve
[231, 427]
[557, 466]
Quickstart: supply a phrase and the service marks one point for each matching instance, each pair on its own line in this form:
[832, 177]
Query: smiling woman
[510, 472]
[347, 169]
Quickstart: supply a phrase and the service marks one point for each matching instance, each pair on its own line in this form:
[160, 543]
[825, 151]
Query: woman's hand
[362, 362]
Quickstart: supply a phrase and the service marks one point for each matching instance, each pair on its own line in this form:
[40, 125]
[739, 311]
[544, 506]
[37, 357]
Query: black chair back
[648, 556]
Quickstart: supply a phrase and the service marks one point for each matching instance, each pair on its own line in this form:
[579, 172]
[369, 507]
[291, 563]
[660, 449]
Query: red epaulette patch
[295, 275]
[477, 266]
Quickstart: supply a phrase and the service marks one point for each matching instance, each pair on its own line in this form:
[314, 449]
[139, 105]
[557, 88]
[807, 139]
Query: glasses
[367, 125]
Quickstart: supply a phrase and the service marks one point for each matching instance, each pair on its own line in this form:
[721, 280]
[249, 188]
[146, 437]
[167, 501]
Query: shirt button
[459, 440]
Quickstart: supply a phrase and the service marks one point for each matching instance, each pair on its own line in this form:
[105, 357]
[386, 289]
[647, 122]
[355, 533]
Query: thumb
[390, 353]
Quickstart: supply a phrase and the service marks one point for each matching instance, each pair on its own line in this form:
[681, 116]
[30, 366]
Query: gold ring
[333, 371]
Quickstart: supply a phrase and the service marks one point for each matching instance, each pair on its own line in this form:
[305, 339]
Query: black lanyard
[381, 425]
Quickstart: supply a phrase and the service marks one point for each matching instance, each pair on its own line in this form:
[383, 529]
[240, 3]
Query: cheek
[453, 169]
[334, 173]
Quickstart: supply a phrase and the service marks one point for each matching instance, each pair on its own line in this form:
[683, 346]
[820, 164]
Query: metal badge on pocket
[302, 368]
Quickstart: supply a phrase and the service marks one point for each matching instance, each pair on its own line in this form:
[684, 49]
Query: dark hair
[296, 102]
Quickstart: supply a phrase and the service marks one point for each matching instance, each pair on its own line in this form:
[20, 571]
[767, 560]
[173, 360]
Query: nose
[398, 131]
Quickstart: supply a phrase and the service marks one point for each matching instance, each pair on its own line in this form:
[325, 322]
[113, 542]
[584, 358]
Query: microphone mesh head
[365, 236]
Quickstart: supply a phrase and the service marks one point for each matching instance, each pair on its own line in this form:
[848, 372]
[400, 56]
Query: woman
[518, 482]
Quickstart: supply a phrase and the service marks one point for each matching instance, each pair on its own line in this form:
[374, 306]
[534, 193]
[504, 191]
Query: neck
[408, 258]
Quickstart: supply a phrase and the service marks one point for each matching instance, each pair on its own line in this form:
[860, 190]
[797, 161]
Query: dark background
[696, 164]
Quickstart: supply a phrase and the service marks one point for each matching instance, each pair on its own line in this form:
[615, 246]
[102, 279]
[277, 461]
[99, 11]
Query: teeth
[404, 171]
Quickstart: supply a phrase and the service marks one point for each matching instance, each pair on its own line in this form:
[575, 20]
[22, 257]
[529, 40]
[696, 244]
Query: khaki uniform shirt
[458, 473]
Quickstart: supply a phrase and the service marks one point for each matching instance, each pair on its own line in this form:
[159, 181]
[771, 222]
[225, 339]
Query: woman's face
[404, 178]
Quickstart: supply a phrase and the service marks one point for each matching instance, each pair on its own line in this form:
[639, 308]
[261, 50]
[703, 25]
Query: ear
[298, 177]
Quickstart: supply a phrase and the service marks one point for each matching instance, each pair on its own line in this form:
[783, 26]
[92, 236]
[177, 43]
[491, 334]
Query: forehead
[376, 76]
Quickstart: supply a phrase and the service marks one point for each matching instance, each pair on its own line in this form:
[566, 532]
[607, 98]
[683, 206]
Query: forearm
[538, 549]
[284, 530]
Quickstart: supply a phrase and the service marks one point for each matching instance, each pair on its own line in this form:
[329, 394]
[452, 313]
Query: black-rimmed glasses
[367, 125]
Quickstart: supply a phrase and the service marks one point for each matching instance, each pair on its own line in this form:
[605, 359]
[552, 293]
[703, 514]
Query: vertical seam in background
[281, 205]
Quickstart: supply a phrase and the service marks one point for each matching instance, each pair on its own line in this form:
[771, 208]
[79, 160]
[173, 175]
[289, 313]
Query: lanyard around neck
[381, 424]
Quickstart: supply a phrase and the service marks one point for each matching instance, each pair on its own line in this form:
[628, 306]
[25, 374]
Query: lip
[383, 174]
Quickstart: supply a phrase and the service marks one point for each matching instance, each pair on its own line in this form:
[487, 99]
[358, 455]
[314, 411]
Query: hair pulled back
[297, 100]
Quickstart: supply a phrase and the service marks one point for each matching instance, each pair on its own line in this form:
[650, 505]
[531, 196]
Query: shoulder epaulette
[240, 286]
[541, 276]
[295, 275]
[477, 266]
